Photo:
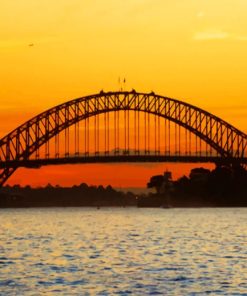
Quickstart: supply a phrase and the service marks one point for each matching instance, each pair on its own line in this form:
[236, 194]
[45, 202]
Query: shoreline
[122, 207]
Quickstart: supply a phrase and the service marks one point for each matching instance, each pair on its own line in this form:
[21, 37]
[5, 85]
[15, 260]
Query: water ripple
[84, 251]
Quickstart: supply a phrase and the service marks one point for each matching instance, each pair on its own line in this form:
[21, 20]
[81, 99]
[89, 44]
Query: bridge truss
[121, 127]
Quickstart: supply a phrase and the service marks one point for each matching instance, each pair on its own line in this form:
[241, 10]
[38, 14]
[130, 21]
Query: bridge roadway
[37, 163]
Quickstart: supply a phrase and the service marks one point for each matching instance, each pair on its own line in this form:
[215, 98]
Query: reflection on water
[85, 251]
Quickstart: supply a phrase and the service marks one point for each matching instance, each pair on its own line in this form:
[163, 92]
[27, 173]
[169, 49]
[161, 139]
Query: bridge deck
[37, 163]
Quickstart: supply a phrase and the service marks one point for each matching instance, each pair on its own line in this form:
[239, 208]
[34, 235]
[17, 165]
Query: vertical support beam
[17, 144]
[57, 133]
[27, 144]
[47, 136]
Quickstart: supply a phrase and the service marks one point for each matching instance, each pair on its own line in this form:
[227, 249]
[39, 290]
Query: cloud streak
[217, 35]
[241, 38]
[211, 35]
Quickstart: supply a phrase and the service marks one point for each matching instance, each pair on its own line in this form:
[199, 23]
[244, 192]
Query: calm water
[85, 251]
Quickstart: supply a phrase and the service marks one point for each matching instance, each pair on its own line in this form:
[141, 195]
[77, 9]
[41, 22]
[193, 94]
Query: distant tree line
[223, 187]
[49, 196]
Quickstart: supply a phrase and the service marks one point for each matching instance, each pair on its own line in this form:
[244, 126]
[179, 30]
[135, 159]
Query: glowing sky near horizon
[193, 50]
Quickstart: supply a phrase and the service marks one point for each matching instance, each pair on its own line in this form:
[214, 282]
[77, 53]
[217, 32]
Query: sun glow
[51, 52]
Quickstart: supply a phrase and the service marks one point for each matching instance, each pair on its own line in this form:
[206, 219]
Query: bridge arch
[229, 142]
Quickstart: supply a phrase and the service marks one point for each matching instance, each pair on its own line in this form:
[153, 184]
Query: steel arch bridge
[106, 118]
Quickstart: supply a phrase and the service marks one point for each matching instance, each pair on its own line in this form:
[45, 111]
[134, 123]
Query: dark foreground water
[85, 251]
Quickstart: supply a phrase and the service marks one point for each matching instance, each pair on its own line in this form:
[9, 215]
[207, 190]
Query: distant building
[162, 183]
[199, 174]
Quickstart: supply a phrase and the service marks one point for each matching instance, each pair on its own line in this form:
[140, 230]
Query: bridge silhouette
[121, 126]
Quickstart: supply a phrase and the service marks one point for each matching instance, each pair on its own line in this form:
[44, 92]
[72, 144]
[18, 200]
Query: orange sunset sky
[194, 50]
